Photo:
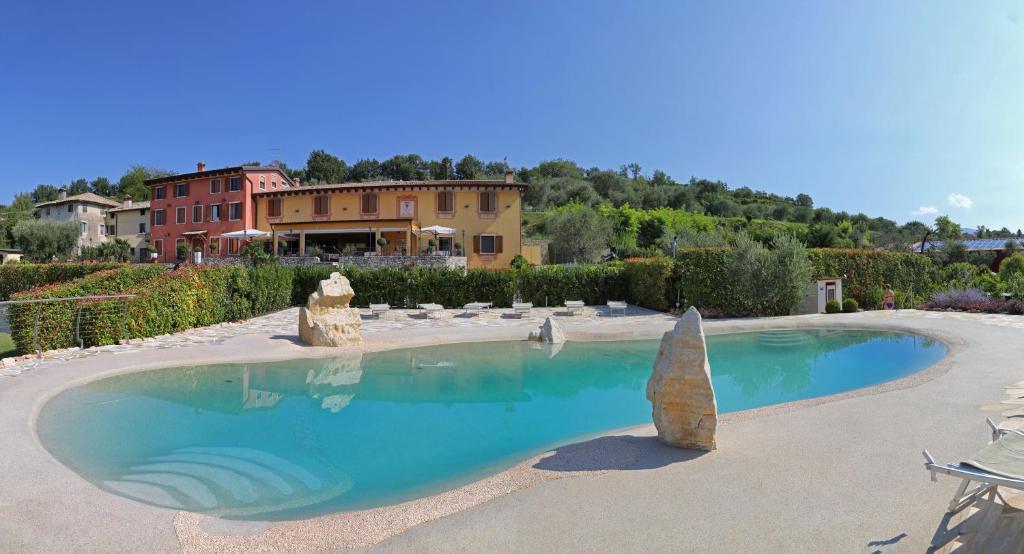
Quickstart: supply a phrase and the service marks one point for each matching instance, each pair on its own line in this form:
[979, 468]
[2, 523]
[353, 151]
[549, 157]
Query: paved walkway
[837, 474]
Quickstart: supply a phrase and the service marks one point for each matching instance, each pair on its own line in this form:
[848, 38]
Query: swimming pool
[294, 439]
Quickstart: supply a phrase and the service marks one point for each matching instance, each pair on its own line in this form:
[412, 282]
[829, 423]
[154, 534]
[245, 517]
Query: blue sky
[889, 108]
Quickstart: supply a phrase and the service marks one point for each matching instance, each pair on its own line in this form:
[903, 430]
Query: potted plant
[431, 245]
[152, 252]
[382, 243]
[458, 248]
[182, 251]
[197, 255]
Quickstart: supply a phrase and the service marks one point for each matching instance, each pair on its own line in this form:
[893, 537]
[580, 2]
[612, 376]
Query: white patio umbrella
[438, 230]
[246, 234]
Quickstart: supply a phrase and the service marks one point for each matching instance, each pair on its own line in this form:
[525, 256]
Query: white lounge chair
[377, 309]
[519, 309]
[475, 307]
[617, 305]
[574, 307]
[430, 310]
[1000, 464]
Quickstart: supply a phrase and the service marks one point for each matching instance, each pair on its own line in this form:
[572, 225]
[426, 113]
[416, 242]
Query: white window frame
[164, 212]
[210, 211]
[83, 227]
[180, 216]
[273, 182]
[232, 181]
[160, 193]
[176, 185]
[239, 204]
[263, 183]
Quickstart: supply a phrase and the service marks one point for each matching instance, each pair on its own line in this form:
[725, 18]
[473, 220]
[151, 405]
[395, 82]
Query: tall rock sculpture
[685, 412]
[549, 331]
[327, 319]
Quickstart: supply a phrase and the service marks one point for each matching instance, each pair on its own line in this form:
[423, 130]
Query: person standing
[889, 298]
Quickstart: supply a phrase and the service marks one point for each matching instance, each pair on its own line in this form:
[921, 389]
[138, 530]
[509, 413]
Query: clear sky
[884, 107]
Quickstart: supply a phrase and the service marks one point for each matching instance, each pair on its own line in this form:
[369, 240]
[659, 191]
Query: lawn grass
[6, 345]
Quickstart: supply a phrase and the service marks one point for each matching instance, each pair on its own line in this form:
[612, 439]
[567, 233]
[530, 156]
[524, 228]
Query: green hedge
[57, 321]
[703, 278]
[868, 271]
[165, 302]
[18, 277]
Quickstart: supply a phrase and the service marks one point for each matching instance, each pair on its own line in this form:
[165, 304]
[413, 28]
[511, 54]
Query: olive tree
[771, 281]
[42, 241]
[578, 234]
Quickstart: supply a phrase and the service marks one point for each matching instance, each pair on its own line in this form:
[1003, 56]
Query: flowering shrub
[966, 300]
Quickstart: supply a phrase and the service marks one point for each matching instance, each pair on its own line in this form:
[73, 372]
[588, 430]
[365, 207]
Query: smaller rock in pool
[549, 332]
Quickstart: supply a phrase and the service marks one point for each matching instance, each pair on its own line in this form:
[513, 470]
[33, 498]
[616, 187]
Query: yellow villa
[478, 219]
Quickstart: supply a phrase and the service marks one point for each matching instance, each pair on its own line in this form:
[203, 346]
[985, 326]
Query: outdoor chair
[617, 305]
[476, 307]
[574, 307]
[377, 309]
[519, 309]
[1000, 464]
[430, 310]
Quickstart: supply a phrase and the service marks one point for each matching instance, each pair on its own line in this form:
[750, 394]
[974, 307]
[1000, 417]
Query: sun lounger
[617, 305]
[519, 309]
[430, 310]
[1000, 464]
[475, 307]
[377, 309]
[573, 307]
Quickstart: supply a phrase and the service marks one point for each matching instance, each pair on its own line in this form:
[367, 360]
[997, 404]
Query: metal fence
[78, 329]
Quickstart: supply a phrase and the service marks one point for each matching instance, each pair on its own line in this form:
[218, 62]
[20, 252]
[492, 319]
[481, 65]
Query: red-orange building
[195, 209]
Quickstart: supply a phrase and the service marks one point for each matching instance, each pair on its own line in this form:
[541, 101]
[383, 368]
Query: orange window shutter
[476, 244]
[497, 244]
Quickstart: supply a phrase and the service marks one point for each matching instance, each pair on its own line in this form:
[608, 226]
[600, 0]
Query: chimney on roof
[297, 181]
[200, 166]
[127, 201]
[510, 175]
[62, 193]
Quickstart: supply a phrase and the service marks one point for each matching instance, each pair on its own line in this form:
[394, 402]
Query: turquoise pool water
[287, 440]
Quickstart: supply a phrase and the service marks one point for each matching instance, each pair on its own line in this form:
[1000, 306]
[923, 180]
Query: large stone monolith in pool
[685, 412]
[327, 319]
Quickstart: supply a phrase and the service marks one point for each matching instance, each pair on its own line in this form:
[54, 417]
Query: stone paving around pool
[285, 322]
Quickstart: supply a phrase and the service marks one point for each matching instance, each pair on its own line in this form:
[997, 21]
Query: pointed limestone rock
[327, 320]
[549, 332]
[685, 412]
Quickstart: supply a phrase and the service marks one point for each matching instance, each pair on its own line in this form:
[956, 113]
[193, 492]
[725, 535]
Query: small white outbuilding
[818, 293]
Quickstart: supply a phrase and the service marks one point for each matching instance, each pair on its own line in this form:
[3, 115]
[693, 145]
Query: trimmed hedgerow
[868, 270]
[19, 277]
[54, 324]
[647, 282]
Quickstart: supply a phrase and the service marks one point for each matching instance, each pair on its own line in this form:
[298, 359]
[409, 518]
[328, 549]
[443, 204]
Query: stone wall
[237, 260]
[400, 261]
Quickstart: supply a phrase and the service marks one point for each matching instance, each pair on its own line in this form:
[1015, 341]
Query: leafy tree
[804, 200]
[651, 230]
[469, 167]
[442, 169]
[44, 193]
[578, 234]
[946, 229]
[103, 187]
[1014, 265]
[78, 186]
[567, 190]
[19, 210]
[773, 280]
[405, 167]
[42, 241]
[495, 170]
[322, 167]
[367, 169]
[133, 181]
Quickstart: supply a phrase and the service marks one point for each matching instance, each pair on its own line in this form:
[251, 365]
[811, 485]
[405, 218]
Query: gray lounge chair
[574, 307]
[377, 309]
[1000, 464]
[430, 310]
[519, 309]
[475, 307]
[617, 305]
